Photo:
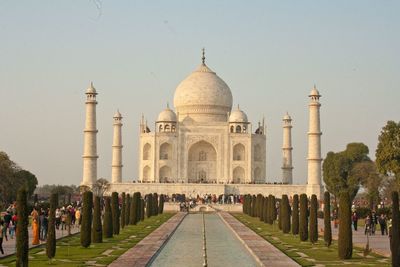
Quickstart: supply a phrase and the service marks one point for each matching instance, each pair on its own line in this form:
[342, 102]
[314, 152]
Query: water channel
[185, 247]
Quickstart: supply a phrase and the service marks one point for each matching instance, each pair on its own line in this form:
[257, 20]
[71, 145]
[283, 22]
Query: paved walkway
[142, 253]
[262, 250]
[378, 243]
[9, 246]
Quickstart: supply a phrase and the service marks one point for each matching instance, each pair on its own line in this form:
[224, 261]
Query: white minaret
[116, 175]
[314, 145]
[287, 168]
[90, 141]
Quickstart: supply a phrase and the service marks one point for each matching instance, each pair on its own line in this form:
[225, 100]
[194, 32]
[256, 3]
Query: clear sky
[270, 53]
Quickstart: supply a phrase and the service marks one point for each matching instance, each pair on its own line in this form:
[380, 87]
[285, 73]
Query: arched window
[238, 175]
[167, 128]
[257, 153]
[146, 151]
[239, 152]
[238, 129]
[173, 128]
[146, 174]
[160, 128]
[165, 151]
[232, 129]
[202, 156]
[165, 174]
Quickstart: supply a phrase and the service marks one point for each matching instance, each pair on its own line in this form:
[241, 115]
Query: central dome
[203, 96]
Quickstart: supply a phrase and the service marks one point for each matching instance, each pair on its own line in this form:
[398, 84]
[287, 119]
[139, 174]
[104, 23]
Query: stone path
[378, 243]
[262, 250]
[9, 246]
[142, 253]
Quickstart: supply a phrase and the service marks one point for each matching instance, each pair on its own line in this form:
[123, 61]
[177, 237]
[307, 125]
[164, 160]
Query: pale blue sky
[270, 53]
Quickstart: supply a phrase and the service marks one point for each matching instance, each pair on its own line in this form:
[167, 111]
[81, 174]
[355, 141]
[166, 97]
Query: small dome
[314, 92]
[117, 115]
[287, 117]
[91, 89]
[167, 115]
[238, 116]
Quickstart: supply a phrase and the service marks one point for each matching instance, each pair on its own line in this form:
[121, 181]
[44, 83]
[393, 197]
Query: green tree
[142, 211]
[115, 212]
[266, 207]
[107, 223]
[345, 240]
[22, 228]
[161, 204]
[155, 205]
[134, 208]
[258, 205]
[295, 215]
[97, 231]
[128, 209]
[395, 240]
[313, 219]
[303, 219]
[86, 226]
[388, 150]
[338, 170]
[327, 219]
[101, 187]
[123, 210]
[51, 228]
[285, 215]
[273, 209]
[149, 203]
[262, 217]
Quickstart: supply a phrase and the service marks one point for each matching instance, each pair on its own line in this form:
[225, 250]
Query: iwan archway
[202, 163]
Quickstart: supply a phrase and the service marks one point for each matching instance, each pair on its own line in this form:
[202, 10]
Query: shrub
[51, 227]
[97, 231]
[327, 219]
[345, 240]
[295, 215]
[313, 219]
[107, 223]
[22, 228]
[303, 219]
[86, 226]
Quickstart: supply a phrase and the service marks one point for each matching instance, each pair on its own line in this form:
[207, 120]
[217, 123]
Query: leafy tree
[388, 150]
[338, 169]
[101, 187]
[295, 215]
[86, 226]
[327, 219]
[115, 212]
[303, 219]
[97, 231]
[107, 223]
[395, 240]
[22, 228]
[313, 219]
[123, 210]
[345, 240]
[51, 230]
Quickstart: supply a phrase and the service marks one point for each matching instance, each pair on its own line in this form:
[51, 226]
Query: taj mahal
[204, 145]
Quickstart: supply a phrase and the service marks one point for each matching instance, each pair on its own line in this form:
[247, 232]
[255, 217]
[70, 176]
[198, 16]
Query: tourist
[367, 225]
[374, 222]
[44, 222]
[11, 229]
[78, 217]
[383, 224]
[354, 219]
[35, 227]
[2, 230]
[7, 220]
[58, 218]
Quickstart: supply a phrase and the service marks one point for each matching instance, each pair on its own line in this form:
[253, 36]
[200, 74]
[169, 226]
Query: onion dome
[91, 89]
[238, 116]
[314, 92]
[167, 115]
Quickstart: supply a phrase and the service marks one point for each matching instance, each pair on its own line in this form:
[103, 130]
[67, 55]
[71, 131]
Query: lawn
[305, 253]
[70, 253]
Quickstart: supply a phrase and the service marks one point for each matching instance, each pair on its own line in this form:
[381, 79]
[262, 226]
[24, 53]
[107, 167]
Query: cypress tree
[327, 219]
[395, 240]
[273, 209]
[155, 204]
[262, 217]
[345, 240]
[270, 208]
[107, 223]
[280, 215]
[142, 212]
[161, 204]
[285, 214]
[313, 219]
[123, 210]
[295, 215]
[149, 201]
[303, 219]
[135, 205]
[128, 209]
[22, 228]
[243, 204]
[51, 228]
[266, 207]
[259, 205]
[97, 231]
[132, 212]
[115, 212]
[86, 226]
[253, 206]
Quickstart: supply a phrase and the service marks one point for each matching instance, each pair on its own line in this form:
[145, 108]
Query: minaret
[90, 141]
[116, 175]
[314, 145]
[287, 168]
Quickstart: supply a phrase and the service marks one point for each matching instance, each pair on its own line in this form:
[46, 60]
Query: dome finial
[203, 58]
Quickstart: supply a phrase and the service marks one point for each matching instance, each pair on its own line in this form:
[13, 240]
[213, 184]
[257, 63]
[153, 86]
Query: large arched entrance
[202, 163]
